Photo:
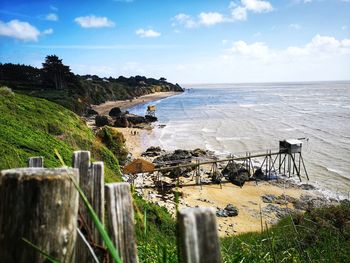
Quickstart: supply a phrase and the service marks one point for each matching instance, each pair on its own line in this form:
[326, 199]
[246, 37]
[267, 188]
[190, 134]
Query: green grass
[322, 235]
[155, 232]
[36, 127]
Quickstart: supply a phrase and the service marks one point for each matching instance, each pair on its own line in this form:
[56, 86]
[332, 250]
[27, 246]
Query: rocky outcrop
[152, 152]
[150, 118]
[102, 120]
[115, 112]
[236, 173]
[121, 122]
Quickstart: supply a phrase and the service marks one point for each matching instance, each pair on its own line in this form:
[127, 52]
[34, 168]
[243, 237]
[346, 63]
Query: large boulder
[91, 112]
[236, 173]
[135, 119]
[150, 118]
[115, 112]
[102, 120]
[121, 122]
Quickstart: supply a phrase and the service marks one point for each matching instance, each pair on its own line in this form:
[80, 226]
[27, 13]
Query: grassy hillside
[36, 127]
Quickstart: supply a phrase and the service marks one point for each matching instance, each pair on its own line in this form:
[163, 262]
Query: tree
[55, 72]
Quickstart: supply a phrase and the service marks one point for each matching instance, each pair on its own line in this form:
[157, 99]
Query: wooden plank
[198, 236]
[81, 161]
[98, 197]
[120, 220]
[36, 161]
[40, 205]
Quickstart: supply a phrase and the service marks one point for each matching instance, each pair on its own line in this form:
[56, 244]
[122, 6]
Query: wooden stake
[198, 240]
[120, 220]
[40, 205]
[36, 161]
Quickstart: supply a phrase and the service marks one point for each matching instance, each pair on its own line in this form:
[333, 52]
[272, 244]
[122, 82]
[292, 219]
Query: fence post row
[45, 202]
[40, 205]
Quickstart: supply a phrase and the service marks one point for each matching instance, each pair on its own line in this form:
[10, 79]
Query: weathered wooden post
[98, 197]
[120, 220]
[40, 205]
[36, 161]
[198, 236]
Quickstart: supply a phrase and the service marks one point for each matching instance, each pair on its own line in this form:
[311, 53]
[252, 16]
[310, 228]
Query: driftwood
[36, 161]
[120, 220]
[41, 206]
[198, 240]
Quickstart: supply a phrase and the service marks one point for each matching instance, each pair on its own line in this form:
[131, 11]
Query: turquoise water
[234, 118]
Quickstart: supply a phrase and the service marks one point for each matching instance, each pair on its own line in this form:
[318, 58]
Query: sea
[252, 117]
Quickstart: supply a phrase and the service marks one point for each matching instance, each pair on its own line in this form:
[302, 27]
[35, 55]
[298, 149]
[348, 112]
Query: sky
[185, 41]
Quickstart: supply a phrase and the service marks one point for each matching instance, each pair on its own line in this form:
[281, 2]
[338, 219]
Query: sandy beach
[104, 108]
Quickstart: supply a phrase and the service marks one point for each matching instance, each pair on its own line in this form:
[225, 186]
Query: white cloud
[94, 21]
[257, 6]
[51, 17]
[147, 33]
[184, 20]
[210, 18]
[19, 30]
[48, 31]
[255, 50]
[295, 26]
[321, 46]
[240, 12]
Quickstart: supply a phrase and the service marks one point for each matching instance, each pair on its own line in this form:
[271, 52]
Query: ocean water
[235, 118]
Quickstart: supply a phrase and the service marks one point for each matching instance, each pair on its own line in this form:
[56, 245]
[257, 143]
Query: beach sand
[104, 108]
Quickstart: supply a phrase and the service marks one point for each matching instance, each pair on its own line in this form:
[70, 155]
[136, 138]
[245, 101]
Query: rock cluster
[236, 173]
[229, 211]
[152, 152]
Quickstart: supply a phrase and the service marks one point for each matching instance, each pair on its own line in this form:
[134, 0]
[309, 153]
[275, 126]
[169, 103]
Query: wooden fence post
[98, 196]
[36, 161]
[198, 239]
[120, 220]
[40, 205]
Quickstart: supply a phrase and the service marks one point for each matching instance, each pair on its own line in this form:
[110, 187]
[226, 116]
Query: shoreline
[248, 199]
[104, 108]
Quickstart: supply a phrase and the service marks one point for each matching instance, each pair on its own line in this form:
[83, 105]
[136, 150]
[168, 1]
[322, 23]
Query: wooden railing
[42, 206]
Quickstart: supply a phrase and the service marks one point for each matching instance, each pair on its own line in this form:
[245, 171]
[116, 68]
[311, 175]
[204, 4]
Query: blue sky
[184, 41]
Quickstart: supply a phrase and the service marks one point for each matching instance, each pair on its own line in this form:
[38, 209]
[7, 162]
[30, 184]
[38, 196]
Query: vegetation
[321, 235]
[155, 231]
[55, 82]
[36, 127]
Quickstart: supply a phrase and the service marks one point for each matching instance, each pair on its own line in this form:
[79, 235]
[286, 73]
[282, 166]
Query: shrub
[5, 91]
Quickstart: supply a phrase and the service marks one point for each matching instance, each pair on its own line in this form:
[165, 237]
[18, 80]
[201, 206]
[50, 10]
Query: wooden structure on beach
[286, 160]
[151, 110]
